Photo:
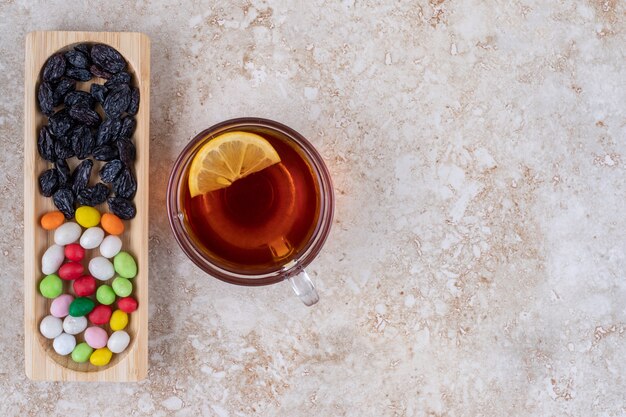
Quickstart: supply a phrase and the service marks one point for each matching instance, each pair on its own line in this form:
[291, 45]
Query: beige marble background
[476, 265]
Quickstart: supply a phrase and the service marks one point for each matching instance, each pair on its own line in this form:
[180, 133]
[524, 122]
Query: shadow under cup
[292, 268]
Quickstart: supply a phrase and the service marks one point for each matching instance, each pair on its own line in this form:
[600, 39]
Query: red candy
[84, 286]
[127, 304]
[71, 270]
[74, 252]
[100, 315]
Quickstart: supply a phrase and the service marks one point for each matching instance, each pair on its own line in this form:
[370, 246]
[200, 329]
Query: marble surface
[476, 264]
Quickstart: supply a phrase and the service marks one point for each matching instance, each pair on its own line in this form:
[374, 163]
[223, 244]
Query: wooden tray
[42, 362]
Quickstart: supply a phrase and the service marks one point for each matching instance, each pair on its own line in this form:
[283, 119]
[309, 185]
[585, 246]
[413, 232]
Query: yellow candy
[101, 357]
[119, 320]
[87, 216]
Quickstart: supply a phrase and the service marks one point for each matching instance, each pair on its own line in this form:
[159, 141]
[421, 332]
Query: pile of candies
[78, 315]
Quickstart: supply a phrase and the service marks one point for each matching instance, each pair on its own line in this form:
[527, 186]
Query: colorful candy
[84, 286]
[60, 306]
[81, 306]
[51, 286]
[74, 252]
[96, 337]
[69, 316]
[122, 287]
[125, 265]
[87, 216]
[52, 220]
[112, 224]
[64, 344]
[110, 246]
[127, 304]
[81, 353]
[74, 325]
[92, 238]
[105, 295]
[71, 270]
[101, 268]
[67, 233]
[100, 315]
[52, 259]
[118, 341]
[101, 357]
[119, 320]
[50, 327]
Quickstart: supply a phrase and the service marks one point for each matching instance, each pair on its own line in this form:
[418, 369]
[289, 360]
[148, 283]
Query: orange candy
[112, 224]
[52, 220]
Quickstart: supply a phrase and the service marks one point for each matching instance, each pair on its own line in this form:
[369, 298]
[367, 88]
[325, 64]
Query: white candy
[101, 268]
[67, 233]
[92, 238]
[74, 325]
[50, 327]
[52, 259]
[118, 341]
[110, 246]
[64, 344]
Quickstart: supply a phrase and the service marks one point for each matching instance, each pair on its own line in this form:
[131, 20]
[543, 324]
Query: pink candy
[60, 306]
[96, 337]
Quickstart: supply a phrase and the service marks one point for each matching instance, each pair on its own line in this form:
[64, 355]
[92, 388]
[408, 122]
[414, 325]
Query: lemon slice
[227, 158]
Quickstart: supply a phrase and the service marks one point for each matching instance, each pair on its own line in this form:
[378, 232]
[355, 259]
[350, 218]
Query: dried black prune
[128, 127]
[98, 92]
[79, 98]
[71, 131]
[83, 141]
[45, 144]
[54, 68]
[126, 151]
[79, 74]
[80, 177]
[64, 200]
[77, 59]
[64, 86]
[60, 122]
[133, 107]
[85, 48]
[105, 153]
[99, 72]
[110, 170]
[63, 148]
[85, 115]
[63, 170]
[45, 96]
[119, 78]
[108, 131]
[122, 208]
[117, 101]
[125, 185]
[108, 58]
[92, 196]
[48, 182]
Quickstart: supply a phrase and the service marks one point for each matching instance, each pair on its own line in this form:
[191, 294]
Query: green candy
[125, 265]
[81, 306]
[122, 287]
[51, 286]
[105, 295]
[82, 352]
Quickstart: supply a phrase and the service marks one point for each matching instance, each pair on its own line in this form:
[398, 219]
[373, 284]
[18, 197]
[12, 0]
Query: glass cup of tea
[250, 202]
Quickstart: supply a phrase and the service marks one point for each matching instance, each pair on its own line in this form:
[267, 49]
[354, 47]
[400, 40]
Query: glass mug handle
[304, 288]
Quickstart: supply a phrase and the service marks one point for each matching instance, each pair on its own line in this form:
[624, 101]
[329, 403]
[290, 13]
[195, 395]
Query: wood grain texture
[42, 363]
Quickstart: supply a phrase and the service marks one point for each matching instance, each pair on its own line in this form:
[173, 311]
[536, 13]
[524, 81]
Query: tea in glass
[259, 222]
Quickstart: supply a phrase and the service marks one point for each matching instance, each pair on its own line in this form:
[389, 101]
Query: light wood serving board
[42, 362]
